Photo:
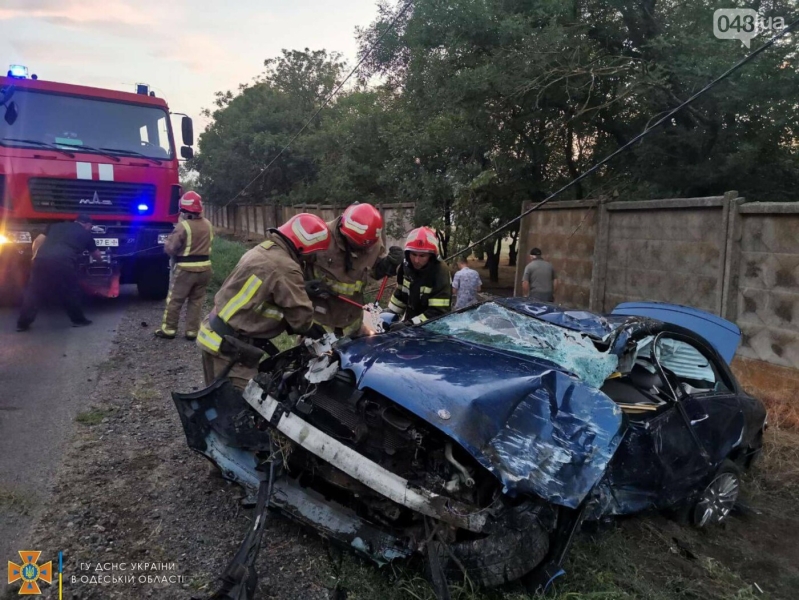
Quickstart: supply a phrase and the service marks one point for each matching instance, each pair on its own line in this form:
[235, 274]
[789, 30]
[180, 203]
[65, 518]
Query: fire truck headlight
[3, 239]
[143, 208]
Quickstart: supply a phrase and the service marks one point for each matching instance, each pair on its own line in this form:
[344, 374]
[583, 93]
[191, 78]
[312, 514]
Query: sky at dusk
[186, 50]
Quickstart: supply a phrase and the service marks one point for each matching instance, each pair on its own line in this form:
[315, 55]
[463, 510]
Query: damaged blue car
[483, 439]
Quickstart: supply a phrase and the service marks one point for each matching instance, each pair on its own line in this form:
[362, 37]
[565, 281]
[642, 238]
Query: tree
[250, 129]
[511, 99]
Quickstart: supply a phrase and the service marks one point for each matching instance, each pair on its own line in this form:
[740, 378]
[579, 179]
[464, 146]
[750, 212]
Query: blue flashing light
[143, 208]
[18, 71]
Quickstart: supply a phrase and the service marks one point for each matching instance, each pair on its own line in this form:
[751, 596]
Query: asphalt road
[46, 377]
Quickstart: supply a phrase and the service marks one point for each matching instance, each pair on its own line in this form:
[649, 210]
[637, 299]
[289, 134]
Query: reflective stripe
[419, 319]
[349, 289]
[340, 287]
[166, 309]
[204, 263]
[187, 250]
[396, 306]
[243, 297]
[267, 244]
[407, 282]
[209, 338]
[270, 311]
[406, 290]
[168, 331]
[438, 302]
[425, 290]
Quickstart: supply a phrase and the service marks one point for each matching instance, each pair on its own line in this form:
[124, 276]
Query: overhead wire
[637, 138]
[327, 100]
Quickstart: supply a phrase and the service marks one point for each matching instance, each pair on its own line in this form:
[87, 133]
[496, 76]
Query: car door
[706, 420]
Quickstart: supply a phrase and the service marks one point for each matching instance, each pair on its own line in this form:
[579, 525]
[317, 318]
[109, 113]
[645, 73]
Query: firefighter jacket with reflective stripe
[331, 267]
[263, 294]
[424, 294]
[190, 244]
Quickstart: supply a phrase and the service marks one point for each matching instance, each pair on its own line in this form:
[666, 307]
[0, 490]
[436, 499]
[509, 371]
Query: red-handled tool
[382, 288]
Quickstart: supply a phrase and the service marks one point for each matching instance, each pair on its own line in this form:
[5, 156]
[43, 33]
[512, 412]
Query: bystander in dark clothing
[54, 273]
[538, 281]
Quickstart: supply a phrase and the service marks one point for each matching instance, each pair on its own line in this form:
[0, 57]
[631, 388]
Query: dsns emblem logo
[94, 200]
[29, 572]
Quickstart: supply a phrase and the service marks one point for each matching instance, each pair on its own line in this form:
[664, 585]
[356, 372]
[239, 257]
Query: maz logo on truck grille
[95, 200]
[92, 196]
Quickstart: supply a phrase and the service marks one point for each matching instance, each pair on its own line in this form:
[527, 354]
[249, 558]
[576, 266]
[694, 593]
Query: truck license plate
[106, 242]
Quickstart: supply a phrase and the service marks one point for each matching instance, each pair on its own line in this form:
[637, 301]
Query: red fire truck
[69, 149]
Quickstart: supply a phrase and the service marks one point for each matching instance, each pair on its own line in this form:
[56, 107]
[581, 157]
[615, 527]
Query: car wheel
[719, 497]
[512, 551]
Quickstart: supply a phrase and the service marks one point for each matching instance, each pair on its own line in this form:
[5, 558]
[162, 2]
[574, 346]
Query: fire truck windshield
[85, 124]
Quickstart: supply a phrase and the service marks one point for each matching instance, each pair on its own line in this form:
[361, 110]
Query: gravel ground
[131, 492]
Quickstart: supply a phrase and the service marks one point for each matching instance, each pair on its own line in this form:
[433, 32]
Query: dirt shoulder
[130, 492]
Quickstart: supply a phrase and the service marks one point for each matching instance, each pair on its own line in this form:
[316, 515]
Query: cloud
[112, 16]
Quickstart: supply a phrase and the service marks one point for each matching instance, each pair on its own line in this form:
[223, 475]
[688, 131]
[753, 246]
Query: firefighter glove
[316, 288]
[315, 332]
[389, 263]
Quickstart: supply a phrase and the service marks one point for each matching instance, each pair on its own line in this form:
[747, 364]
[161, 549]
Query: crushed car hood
[538, 429]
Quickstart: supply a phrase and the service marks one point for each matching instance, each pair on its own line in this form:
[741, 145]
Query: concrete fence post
[599, 270]
[732, 257]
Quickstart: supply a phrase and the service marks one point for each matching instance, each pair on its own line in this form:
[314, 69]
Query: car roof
[723, 335]
[591, 324]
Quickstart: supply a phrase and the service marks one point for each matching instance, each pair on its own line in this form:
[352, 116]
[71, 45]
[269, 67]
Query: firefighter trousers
[239, 375]
[186, 286]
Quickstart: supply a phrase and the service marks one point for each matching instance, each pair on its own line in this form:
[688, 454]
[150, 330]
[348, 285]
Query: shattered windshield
[498, 327]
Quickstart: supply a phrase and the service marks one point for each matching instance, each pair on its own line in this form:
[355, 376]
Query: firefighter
[189, 245]
[263, 296]
[356, 253]
[424, 285]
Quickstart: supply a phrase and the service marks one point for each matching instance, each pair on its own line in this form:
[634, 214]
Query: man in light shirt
[466, 284]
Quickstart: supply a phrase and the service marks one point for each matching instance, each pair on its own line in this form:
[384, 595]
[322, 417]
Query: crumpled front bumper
[219, 425]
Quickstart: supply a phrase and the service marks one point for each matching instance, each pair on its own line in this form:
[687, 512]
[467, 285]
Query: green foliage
[225, 255]
[484, 104]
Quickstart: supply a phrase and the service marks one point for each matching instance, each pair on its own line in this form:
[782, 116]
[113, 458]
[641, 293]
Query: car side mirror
[187, 152]
[187, 128]
[11, 113]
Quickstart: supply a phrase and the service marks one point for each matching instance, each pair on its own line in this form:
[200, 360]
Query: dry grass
[777, 471]
[781, 414]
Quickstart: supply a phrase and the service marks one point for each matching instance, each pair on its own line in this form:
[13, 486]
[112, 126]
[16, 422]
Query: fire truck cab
[69, 149]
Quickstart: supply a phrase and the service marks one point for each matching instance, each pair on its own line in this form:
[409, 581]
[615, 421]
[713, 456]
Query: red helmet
[361, 224]
[191, 202]
[307, 232]
[422, 239]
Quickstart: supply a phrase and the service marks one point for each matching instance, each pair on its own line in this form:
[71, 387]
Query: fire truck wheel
[153, 282]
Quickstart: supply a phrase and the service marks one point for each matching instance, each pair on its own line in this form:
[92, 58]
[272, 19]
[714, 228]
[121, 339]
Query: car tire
[515, 549]
[152, 280]
[718, 498]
